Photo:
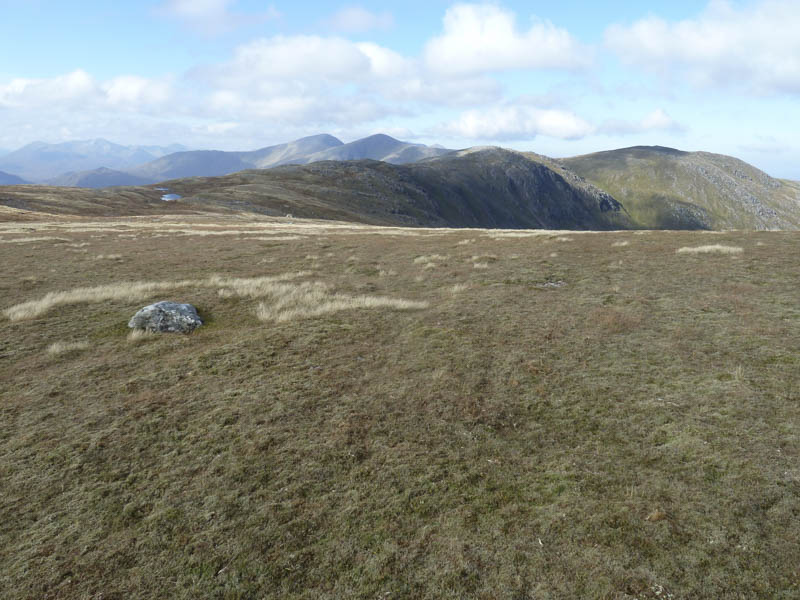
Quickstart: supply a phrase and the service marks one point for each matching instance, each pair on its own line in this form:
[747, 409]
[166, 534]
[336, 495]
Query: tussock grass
[28, 240]
[620, 244]
[109, 257]
[305, 300]
[137, 336]
[137, 290]
[480, 265]
[62, 348]
[499, 235]
[710, 249]
[253, 287]
[430, 258]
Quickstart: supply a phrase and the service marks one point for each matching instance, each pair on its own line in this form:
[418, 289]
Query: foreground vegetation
[517, 415]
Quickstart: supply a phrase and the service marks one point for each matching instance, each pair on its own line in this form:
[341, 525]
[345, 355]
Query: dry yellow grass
[304, 300]
[428, 259]
[140, 335]
[27, 240]
[710, 249]
[136, 290]
[60, 348]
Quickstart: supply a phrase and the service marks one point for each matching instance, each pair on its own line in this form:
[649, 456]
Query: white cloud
[212, 17]
[755, 47]
[74, 87]
[658, 120]
[293, 77]
[517, 122]
[481, 38]
[79, 91]
[355, 19]
[300, 57]
[133, 92]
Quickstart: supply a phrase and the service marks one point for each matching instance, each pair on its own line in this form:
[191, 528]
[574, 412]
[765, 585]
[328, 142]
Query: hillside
[484, 188]
[671, 189]
[98, 178]
[395, 413]
[481, 188]
[9, 179]
[108, 202]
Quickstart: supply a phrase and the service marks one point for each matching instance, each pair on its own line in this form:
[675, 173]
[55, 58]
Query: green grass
[631, 434]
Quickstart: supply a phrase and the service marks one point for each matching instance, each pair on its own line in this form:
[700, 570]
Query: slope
[488, 187]
[664, 188]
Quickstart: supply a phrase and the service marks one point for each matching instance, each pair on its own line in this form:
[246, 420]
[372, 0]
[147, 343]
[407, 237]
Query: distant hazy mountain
[297, 151]
[39, 161]
[9, 179]
[206, 163]
[378, 147]
[98, 178]
[664, 188]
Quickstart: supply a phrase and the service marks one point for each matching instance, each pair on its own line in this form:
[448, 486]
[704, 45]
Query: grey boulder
[166, 317]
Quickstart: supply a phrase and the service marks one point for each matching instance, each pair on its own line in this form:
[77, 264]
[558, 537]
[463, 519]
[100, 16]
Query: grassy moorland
[390, 413]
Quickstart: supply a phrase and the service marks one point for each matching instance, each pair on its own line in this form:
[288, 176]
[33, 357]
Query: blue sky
[557, 78]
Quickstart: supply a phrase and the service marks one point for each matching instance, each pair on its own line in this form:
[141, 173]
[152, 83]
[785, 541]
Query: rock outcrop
[166, 317]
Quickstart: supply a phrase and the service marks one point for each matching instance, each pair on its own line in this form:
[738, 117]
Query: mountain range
[382, 180]
[99, 163]
[40, 162]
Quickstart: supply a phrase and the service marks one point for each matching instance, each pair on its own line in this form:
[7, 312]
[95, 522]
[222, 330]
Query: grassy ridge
[573, 415]
[663, 188]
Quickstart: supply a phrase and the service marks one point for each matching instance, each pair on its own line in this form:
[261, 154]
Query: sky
[558, 78]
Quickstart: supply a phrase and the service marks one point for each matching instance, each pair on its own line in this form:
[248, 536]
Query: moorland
[387, 412]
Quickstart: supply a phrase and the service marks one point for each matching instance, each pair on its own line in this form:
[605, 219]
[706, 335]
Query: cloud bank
[755, 48]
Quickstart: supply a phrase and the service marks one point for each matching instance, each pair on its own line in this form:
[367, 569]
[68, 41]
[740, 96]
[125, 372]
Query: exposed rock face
[166, 317]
